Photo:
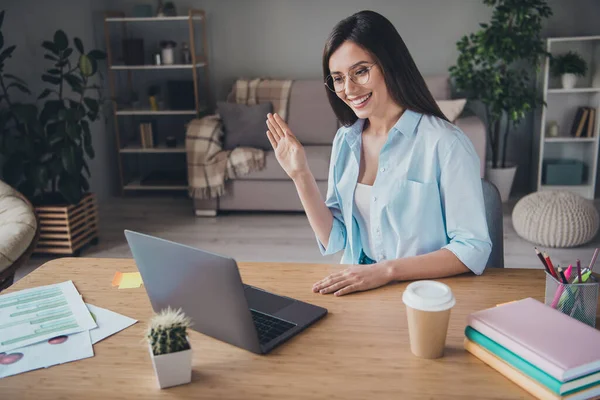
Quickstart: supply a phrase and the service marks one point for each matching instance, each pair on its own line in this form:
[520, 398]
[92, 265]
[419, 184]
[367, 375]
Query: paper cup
[428, 307]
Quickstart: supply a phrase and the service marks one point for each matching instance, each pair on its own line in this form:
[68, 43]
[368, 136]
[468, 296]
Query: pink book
[562, 346]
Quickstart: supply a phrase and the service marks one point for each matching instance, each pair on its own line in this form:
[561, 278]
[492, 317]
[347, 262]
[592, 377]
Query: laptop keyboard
[269, 327]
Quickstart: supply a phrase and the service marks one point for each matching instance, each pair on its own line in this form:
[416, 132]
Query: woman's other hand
[355, 278]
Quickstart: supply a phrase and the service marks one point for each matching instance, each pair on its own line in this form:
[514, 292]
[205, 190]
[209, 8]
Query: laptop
[209, 290]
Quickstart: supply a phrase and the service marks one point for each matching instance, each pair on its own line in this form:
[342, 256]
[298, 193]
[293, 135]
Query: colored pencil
[591, 267]
[550, 266]
[541, 257]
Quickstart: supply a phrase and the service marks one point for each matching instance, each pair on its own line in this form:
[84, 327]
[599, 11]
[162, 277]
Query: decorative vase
[172, 369]
[552, 129]
[502, 178]
[568, 81]
[168, 55]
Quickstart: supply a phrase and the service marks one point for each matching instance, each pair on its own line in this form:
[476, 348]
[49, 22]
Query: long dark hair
[376, 34]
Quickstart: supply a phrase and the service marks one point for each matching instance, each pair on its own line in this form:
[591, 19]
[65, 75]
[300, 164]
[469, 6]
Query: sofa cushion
[264, 196]
[452, 109]
[244, 125]
[310, 116]
[17, 226]
[318, 160]
[439, 86]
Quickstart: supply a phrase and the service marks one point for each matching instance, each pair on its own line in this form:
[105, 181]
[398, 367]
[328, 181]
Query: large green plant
[45, 144]
[496, 65]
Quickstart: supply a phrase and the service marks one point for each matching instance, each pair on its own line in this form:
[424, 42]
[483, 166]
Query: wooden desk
[359, 350]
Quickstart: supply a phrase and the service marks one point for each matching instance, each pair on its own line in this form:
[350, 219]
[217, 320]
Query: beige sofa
[314, 123]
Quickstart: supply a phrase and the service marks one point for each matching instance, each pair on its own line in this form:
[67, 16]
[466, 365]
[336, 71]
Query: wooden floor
[256, 236]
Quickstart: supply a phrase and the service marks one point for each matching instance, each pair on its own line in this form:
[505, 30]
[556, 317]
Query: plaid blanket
[209, 166]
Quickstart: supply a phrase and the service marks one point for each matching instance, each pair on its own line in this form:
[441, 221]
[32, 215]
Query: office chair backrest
[493, 213]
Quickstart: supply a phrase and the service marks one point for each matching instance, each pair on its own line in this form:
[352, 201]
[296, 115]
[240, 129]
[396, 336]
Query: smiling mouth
[360, 101]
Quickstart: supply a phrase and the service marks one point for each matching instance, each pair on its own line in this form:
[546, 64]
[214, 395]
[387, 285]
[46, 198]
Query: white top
[362, 201]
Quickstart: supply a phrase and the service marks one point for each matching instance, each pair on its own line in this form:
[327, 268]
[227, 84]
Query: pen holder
[578, 300]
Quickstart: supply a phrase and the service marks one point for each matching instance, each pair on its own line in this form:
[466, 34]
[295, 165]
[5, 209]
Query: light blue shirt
[427, 194]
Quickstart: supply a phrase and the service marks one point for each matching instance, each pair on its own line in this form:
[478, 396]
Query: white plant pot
[502, 178]
[568, 80]
[172, 369]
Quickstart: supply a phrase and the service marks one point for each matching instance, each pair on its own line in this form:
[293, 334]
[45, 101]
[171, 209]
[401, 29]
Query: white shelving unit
[561, 107]
[149, 168]
[154, 19]
[157, 149]
[173, 66]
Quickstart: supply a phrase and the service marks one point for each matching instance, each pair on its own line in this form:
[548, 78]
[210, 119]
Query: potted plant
[45, 144]
[170, 348]
[568, 66]
[496, 66]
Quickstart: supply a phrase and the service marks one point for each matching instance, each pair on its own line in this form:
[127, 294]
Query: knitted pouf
[555, 219]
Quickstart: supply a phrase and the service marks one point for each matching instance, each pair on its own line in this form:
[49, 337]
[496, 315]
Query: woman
[404, 198]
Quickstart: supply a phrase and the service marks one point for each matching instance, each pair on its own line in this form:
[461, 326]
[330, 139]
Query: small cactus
[167, 332]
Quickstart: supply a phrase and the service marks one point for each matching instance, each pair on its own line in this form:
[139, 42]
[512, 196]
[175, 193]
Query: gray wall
[285, 38]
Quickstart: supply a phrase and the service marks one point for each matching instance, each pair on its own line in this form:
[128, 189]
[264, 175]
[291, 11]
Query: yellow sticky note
[130, 280]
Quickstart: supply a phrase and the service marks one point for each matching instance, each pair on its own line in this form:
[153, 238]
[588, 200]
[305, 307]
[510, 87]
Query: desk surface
[359, 350]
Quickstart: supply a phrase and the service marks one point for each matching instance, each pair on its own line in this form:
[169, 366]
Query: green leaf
[92, 104]
[19, 86]
[49, 57]
[1, 19]
[87, 139]
[13, 169]
[1, 40]
[75, 82]
[85, 186]
[97, 54]
[50, 46]
[41, 175]
[85, 65]
[54, 71]
[7, 53]
[78, 45]
[60, 40]
[87, 168]
[67, 53]
[45, 94]
[45, 158]
[69, 188]
[68, 160]
[51, 79]
[51, 110]
[94, 65]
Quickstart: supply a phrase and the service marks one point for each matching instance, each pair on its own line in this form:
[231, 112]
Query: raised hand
[288, 150]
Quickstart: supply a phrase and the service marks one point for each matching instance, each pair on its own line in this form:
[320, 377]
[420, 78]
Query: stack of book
[584, 122]
[547, 353]
[146, 135]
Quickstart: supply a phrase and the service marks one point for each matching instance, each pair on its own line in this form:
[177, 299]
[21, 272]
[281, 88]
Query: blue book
[558, 387]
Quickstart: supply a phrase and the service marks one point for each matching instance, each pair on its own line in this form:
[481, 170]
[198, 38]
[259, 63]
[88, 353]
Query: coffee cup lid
[428, 296]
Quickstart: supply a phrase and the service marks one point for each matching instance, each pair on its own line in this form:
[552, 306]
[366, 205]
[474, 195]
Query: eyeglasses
[359, 75]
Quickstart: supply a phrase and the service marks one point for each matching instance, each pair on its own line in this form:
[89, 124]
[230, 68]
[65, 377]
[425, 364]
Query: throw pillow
[245, 125]
[452, 108]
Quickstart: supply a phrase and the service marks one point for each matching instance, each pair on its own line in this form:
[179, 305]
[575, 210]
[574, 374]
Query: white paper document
[109, 323]
[35, 315]
[58, 350]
